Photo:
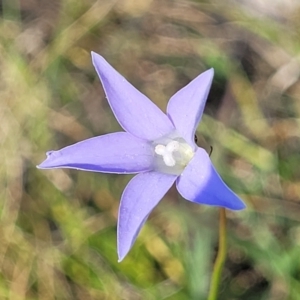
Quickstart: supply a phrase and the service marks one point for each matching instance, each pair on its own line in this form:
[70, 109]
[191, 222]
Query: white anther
[169, 160]
[160, 149]
[172, 146]
[167, 152]
[172, 154]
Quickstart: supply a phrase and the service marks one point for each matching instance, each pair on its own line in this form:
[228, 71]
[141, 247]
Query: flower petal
[118, 152]
[186, 107]
[140, 196]
[201, 183]
[133, 110]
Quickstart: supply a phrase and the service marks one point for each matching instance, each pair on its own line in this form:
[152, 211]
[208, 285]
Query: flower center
[172, 154]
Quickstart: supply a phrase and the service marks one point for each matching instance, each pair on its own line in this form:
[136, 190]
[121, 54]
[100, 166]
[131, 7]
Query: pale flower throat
[172, 154]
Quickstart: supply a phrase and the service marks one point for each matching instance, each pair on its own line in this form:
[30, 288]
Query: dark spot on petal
[195, 138]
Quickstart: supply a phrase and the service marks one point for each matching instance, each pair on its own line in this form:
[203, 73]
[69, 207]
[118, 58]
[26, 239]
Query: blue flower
[159, 147]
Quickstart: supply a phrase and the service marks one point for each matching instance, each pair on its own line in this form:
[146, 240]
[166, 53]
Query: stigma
[172, 154]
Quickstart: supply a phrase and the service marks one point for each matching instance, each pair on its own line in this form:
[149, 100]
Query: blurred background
[58, 227]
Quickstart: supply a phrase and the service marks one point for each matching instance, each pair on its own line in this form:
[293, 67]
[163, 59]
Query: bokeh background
[58, 227]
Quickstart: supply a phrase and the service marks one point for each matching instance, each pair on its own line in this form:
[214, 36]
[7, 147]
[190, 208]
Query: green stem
[220, 260]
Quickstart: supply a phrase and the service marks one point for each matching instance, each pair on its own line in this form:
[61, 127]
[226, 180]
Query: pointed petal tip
[120, 258]
[122, 252]
[210, 73]
[44, 165]
[238, 205]
[49, 162]
[97, 59]
[242, 205]
[94, 54]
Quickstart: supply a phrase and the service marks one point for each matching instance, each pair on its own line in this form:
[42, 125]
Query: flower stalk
[221, 257]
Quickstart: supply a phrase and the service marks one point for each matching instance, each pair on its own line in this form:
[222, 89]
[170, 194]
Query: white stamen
[160, 149]
[169, 160]
[167, 153]
[173, 154]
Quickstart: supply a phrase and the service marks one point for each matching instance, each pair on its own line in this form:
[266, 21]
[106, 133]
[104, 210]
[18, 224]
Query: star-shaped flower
[159, 147]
